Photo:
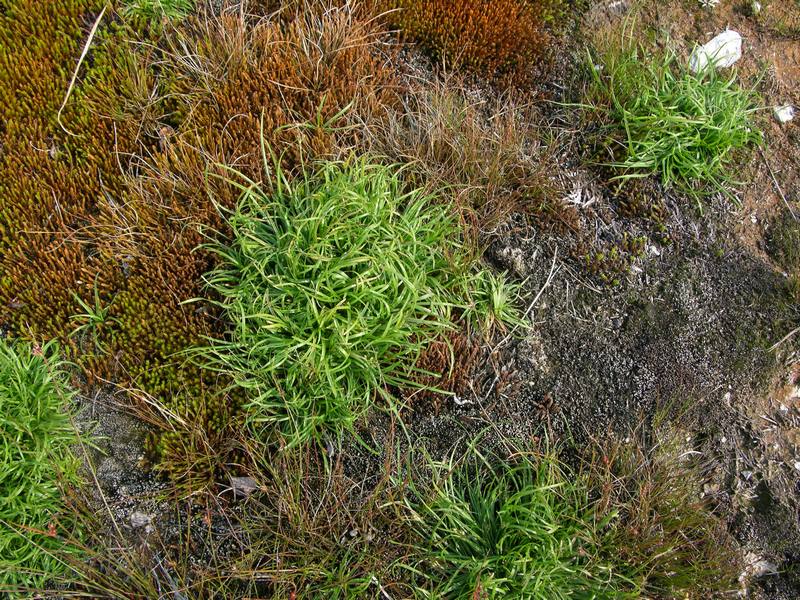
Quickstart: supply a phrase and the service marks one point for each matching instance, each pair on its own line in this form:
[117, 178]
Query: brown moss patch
[499, 39]
[119, 198]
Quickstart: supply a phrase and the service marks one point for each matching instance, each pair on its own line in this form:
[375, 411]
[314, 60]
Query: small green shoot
[93, 319]
[494, 302]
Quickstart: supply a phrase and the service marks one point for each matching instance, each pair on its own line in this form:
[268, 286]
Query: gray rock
[722, 51]
[618, 7]
[243, 486]
[139, 519]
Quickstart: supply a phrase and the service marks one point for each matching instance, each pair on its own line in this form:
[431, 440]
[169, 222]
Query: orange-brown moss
[446, 365]
[45, 190]
[119, 205]
[500, 39]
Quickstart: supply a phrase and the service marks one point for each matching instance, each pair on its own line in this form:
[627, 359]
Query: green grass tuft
[152, 10]
[35, 458]
[333, 285]
[525, 530]
[665, 120]
[631, 523]
[665, 534]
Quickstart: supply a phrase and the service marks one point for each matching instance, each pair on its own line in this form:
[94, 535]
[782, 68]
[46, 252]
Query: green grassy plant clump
[523, 530]
[35, 448]
[665, 120]
[333, 284]
[629, 524]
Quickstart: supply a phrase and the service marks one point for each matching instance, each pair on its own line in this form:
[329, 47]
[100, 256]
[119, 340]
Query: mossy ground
[640, 307]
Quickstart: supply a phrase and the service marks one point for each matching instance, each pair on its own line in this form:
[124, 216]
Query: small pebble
[784, 113]
[763, 567]
[243, 486]
[139, 519]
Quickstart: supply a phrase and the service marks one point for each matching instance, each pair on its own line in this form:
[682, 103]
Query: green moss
[783, 243]
[611, 264]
